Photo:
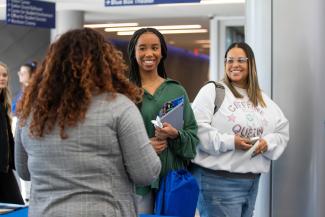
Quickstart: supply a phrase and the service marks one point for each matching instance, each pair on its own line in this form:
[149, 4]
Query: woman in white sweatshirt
[228, 163]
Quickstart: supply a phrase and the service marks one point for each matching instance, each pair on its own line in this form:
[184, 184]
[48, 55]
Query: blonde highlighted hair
[5, 94]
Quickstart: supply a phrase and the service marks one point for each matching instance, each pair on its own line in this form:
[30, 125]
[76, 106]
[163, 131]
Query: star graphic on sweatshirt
[231, 118]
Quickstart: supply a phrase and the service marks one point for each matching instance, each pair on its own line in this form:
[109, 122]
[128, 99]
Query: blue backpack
[178, 194]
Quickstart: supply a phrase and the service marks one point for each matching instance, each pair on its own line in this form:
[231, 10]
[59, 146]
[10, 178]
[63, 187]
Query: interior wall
[189, 69]
[298, 87]
[258, 34]
[19, 45]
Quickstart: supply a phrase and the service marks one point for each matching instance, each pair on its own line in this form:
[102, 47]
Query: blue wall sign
[31, 13]
[109, 3]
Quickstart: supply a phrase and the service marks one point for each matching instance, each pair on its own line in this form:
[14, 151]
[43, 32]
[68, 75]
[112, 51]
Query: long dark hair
[134, 74]
[253, 89]
[79, 65]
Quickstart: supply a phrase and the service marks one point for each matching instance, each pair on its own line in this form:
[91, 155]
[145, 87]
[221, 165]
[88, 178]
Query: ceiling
[154, 15]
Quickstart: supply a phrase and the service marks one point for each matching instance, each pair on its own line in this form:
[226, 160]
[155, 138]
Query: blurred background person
[9, 189]
[229, 178]
[81, 134]
[147, 52]
[25, 73]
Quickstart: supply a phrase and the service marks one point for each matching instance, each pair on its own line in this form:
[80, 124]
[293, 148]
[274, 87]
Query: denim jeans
[222, 196]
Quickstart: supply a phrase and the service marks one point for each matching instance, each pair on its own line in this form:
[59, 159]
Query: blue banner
[31, 13]
[109, 3]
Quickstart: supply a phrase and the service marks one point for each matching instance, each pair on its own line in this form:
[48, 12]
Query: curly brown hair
[79, 65]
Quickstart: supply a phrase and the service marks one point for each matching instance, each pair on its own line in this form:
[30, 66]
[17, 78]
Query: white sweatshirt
[237, 116]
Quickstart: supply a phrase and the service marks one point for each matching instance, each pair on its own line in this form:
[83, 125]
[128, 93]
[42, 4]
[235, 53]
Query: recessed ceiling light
[221, 1]
[204, 2]
[205, 45]
[112, 25]
[175, 31]
[156, 27]
[207, 41]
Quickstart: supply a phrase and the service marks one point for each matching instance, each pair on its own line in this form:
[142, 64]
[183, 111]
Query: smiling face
[3, 77]
[148, 52]
[237, 67]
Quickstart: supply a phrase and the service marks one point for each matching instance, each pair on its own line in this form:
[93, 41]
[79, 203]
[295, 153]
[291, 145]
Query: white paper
[157, 123]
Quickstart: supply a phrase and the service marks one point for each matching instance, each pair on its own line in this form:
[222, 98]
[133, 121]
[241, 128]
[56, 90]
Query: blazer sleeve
[185, 144]
[141, 161]
[21, 157]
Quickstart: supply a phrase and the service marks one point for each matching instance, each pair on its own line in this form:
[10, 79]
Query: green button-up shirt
[180, 150]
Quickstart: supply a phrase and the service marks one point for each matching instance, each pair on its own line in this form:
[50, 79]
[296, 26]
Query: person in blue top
[25, 73]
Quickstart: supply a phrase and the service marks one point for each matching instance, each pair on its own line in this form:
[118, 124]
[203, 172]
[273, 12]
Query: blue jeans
[222, 196]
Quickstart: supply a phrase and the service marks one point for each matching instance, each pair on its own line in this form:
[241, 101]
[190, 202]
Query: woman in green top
[147, 51]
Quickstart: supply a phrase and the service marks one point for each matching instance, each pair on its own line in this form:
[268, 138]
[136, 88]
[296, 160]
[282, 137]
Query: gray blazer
[91, 173]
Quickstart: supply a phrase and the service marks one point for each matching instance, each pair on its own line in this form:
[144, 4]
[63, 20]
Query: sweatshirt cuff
[270, 145]
[227, 143]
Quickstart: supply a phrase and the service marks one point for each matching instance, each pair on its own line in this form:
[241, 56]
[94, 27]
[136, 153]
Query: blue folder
[21, 212]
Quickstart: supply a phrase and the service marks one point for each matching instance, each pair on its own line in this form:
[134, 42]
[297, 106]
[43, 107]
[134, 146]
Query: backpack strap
[220, 95]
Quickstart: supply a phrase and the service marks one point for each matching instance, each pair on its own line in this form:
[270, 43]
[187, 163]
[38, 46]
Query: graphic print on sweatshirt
[239, 116]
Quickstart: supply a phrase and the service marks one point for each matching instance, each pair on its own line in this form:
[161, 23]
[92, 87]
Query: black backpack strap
[220, 95]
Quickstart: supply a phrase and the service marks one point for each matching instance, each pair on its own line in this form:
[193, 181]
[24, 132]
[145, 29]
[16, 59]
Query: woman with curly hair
[81, 134]
[9, 190]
